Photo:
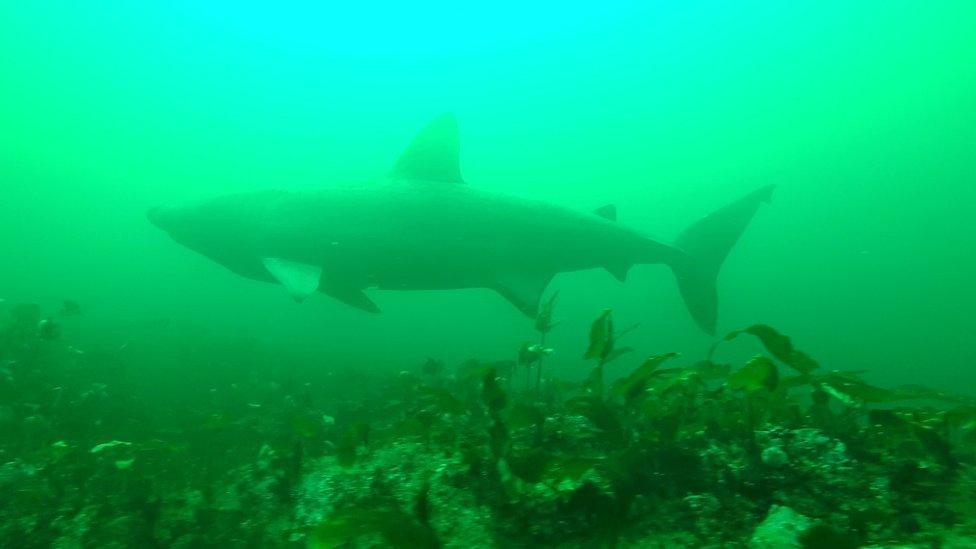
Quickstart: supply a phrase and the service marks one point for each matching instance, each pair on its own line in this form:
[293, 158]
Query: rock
[954, 540]
[775, 457]
[780, 530]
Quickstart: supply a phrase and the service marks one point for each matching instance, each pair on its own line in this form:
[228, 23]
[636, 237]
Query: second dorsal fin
[433, 154]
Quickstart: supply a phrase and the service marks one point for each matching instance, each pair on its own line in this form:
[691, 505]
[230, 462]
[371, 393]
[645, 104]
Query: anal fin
[350, 295]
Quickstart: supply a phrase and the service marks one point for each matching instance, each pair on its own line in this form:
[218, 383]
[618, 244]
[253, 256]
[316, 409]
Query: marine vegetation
[668, 451]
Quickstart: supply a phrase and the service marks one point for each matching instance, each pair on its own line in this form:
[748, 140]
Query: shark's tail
[706, 243]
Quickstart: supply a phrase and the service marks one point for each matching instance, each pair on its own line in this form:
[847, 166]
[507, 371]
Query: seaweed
[354, 437]
[603, 349]
[759, 374]
[601, 337]
[531, 355]
[633, 387]
[779, 346]
[394, 526]
[495, 399]
[601, 415]
[673, 451]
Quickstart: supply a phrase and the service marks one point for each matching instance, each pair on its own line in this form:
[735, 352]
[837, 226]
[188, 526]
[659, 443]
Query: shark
[421, 227]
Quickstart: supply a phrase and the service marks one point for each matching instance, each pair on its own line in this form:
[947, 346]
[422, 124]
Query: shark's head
[189, 225]
[223, 230]
[185, 224]
[161, 216]
[202, 226]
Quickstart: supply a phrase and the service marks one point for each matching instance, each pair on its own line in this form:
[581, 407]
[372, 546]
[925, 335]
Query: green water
[863, 114]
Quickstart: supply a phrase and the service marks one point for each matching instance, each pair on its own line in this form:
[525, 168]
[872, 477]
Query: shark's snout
[154, 215]
[160, 216]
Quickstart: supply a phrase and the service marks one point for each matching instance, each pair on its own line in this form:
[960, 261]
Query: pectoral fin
[524, 290]
[299, 279]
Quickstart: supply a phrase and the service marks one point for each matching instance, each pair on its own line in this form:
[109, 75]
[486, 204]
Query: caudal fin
[706, 244]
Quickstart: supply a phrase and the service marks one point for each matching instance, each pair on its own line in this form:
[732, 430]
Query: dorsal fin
[433, 154]
[607, 212]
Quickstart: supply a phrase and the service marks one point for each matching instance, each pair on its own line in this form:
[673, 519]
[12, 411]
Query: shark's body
[422, 229]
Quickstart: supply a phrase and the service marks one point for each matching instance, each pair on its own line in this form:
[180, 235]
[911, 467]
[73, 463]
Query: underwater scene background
[150, 397]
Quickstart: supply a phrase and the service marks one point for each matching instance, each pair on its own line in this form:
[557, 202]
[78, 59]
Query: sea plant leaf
[621, 333]
[617, 353]
[529, 465]
[600, 414]
[779, 346]
[531, 353]
[523, 415]
[758, 374]
[356, 435]
[678, 378]
[305, 425]
[543, 319]
[632, 387]
[343, 526]
[397, 528]
[106, 445]
[441, 400]
[911, 392]
[712, 370]
[839, 395]
[601, 337]
[572, 468]
[492, 395]
[851, 389]
[593, 383]
[963, 417]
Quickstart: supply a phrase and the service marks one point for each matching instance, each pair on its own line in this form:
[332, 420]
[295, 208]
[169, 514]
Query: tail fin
[706, 243]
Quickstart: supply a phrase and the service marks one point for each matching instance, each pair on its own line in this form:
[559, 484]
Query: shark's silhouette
[423, 229]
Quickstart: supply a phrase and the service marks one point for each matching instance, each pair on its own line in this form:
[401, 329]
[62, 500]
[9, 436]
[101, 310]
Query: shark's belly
[425, 239]
[424, 270]
[457, 268]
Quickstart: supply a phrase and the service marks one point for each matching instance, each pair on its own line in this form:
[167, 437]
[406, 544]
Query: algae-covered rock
[781, 529]
[332, 497]
[775, 457]
[676, 456]
[810, 471]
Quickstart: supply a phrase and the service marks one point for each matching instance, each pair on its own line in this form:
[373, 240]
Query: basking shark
[422, 228]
